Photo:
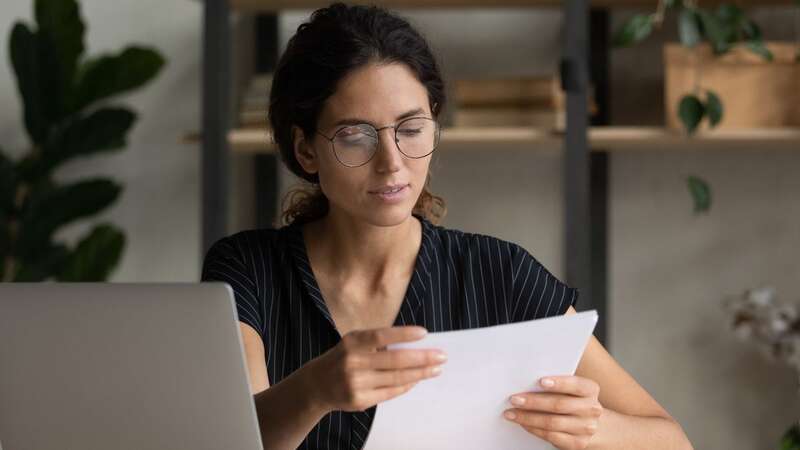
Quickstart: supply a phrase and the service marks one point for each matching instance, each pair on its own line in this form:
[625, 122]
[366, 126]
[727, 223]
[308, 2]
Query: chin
[388, 217]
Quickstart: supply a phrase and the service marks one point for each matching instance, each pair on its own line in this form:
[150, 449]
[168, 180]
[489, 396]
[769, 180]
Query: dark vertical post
[574, 77]
[215, 122]
[599, 67]
[266, 165]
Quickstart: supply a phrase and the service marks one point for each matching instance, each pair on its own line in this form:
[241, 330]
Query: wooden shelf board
[601, 139]
[277, 5]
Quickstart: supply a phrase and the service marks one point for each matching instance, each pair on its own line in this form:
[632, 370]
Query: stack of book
[254, 103]
[511, 102]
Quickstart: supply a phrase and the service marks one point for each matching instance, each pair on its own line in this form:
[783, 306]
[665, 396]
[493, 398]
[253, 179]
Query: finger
[388, 393]
[404, 359]
[572, 385]
[559, 439]
[553, 422]
[557, 404]
[386, 378]
[381, 337]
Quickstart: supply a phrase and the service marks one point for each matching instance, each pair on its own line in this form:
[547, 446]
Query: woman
[362, 262]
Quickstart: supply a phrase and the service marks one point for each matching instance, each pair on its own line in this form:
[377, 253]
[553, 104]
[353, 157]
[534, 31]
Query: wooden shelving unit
[585, 148]
[601, 139]
[279, 5]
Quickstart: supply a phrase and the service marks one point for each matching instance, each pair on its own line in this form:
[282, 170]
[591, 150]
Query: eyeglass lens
[416, 138]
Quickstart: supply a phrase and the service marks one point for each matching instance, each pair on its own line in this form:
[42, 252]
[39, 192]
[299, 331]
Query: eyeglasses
[355, 145]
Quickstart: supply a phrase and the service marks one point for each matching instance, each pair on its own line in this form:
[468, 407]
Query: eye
[410, 131]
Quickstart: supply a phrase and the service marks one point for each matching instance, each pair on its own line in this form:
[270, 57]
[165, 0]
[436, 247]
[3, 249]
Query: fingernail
[441, 357]
[510, 415]
[436, 370]
[419, 332]
[517, 400]
[547, 382]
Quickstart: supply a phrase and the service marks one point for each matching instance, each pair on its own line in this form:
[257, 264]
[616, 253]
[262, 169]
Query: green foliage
[701, 193]
[689, 28]
[791, 440]
[722, 28]
[636, 29]
[691, 111]
[66, 101]
[714, 108]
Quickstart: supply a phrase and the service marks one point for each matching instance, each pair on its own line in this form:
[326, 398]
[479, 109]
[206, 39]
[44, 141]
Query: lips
[389, 189]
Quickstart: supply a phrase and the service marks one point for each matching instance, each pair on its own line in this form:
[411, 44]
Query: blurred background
[671, 259]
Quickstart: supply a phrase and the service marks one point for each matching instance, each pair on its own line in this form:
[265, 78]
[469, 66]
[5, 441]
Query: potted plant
[704, 34]
[721, 36]
[69, 113]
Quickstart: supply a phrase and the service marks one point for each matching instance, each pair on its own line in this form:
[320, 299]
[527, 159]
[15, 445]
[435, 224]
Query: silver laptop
[101, 366]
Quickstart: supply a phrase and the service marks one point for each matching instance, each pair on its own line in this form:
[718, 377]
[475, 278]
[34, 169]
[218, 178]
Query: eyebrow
[357, 121]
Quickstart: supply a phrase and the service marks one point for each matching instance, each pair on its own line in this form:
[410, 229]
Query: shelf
[277, 5]
[610, 139]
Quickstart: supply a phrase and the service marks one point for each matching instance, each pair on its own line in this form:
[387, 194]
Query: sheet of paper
[462, 408]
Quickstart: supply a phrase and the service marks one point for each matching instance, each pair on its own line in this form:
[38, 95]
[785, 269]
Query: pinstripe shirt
[461, 280]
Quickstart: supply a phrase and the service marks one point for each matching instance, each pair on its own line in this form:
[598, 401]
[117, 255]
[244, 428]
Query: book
[517, 91]
[508, 116]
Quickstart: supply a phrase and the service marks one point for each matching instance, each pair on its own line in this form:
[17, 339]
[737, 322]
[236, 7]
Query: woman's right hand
[359, 372]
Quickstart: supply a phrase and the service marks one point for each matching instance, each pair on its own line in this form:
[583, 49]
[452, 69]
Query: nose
[388, 157]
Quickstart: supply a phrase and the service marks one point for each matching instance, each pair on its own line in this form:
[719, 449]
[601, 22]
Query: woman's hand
[359, 372]
[566, 414]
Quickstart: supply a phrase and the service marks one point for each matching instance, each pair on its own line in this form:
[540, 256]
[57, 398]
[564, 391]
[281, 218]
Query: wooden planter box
[755, 93]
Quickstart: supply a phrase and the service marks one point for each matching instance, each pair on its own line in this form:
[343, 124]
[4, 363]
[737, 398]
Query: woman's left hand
[566, 413]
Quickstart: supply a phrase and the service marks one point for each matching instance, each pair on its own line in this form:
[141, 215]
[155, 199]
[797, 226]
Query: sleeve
[536, 293]
[223, 263]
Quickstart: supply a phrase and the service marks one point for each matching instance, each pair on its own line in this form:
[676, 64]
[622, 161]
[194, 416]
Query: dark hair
[334, 42]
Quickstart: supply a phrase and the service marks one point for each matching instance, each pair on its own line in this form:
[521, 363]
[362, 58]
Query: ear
[304, 152]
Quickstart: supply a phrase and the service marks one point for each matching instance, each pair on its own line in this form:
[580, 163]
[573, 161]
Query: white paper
[462, 409]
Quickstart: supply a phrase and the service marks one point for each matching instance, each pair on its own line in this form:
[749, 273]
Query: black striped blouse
[460, 280]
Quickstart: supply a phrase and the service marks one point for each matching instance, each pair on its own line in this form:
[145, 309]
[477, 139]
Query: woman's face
[380, 95]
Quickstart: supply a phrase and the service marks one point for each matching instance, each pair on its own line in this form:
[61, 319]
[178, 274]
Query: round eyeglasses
[355, 145]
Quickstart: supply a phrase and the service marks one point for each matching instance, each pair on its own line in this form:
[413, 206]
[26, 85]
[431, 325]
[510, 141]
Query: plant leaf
[96, 255]
[714, 108]
[751, 30]
[636, 29]
[691, 111]
[730, 13]
[60, 22]
[717, 33]
[110, 75]
[52, 208]
[104, 129]
[47, 263]
[8, 183]
[5, 241]
[791, 439]
[689, 28]
[24, 53]
[701, 194]
[758, 47]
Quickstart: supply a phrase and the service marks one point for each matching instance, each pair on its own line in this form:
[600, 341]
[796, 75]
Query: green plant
[723, 28]
[791, 440]
[67, 116]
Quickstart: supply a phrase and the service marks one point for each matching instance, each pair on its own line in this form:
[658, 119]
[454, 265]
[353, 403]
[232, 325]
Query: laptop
[116, 366]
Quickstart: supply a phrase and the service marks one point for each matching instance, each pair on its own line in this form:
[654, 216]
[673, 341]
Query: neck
[352, 250]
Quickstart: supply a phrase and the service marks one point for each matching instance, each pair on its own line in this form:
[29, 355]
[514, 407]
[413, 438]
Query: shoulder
[464, 244]
[249, 244]
[533, 290]
[247, 249]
